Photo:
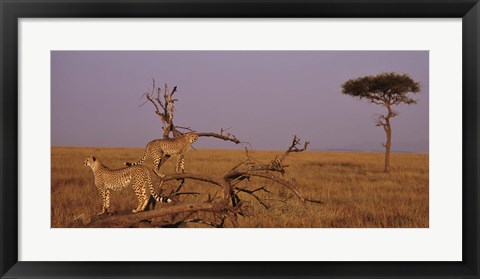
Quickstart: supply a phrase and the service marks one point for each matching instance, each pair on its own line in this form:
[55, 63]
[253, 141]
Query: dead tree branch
[164, 106]
[128, 220]
[252, 193]
[226, 137]
[250, 168]
[294, 148]
[228, 206]
[216, 223]
[314, 201]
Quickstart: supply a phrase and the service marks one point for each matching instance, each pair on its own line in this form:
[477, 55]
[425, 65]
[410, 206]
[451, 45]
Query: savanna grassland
[355, 190]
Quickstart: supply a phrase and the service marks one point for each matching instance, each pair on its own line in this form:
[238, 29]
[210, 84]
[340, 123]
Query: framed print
[314, 139]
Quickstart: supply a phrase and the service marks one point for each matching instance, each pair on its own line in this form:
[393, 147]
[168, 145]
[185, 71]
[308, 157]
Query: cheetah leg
[144, 205]
[158, 162]
[180, 168]
[139, 188]
[145, 197]
[102, 195]
[107, 201]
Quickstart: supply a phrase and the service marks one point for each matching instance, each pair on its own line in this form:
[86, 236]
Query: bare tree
[164, 105]
[235, 185]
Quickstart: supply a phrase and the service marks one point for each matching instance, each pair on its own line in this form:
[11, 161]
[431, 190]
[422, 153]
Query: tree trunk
[165, 134]
[387, 153]
[388, 144]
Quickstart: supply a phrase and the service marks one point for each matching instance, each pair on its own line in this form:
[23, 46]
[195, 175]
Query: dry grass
[357, 194]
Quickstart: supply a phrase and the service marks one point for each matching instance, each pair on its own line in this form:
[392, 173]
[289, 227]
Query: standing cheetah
[107, 179]
[162, 149]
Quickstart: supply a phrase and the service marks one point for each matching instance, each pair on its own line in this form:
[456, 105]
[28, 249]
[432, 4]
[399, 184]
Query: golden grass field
[356, 191]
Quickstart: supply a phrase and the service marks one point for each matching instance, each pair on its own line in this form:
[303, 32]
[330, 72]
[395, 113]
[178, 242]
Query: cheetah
[107, 179]
[162, 149]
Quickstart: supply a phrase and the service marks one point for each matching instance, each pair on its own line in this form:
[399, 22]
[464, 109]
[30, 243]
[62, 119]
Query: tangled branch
[233, 183]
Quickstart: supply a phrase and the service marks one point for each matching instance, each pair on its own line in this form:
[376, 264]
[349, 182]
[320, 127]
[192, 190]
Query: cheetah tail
[157, 197]
[128, 164]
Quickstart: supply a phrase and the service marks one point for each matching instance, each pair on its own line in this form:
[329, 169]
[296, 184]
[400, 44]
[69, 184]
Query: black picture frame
[11, 11]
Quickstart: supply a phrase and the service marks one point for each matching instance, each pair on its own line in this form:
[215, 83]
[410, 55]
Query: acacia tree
[386, 89]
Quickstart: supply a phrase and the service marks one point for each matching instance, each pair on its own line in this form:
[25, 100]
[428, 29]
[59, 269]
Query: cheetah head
[90, 161]
[192, 137]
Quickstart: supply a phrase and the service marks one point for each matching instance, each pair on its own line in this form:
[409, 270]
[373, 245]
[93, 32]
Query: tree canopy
[383, 89]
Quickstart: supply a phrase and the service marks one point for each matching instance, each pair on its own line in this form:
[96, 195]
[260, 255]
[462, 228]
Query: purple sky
[264, 96]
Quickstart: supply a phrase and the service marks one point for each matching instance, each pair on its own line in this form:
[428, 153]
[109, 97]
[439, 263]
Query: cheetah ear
[94, 159]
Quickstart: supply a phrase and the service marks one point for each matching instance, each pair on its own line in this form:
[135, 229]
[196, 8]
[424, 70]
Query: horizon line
[250, 150]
